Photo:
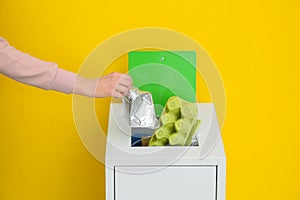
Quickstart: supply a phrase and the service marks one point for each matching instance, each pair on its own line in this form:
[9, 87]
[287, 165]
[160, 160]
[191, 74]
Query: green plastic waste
[165, 131]
[184, 124]
[178, 124]
[170, 117]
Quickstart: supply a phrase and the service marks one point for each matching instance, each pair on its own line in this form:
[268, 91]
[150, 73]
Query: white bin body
[160, 173]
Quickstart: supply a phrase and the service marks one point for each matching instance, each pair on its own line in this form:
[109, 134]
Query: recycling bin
[168, 172]
[134, 172]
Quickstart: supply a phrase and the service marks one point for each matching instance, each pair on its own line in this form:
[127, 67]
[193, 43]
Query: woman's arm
[27, 69]
[32, 71]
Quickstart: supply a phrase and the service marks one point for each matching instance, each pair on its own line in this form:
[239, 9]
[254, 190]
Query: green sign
[164, 74]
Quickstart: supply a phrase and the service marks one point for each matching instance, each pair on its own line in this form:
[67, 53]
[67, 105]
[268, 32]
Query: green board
[164, 74]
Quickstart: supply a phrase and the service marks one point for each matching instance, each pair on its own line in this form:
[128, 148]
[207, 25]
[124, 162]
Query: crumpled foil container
[139, 109]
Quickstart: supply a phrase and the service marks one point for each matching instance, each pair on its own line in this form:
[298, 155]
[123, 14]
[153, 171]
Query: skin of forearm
[86, 87]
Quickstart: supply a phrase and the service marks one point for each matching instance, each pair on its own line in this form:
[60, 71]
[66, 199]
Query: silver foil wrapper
[139, 109]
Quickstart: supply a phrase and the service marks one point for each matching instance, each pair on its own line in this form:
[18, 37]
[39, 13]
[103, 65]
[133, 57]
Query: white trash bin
[168, 172]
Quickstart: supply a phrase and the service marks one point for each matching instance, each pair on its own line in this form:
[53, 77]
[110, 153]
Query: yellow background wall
[255, 45]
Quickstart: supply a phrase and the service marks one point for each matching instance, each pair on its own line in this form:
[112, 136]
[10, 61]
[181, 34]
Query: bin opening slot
[140, 137]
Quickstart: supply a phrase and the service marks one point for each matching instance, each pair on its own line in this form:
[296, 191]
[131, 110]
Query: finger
[120, 75]
[117, 94]
[125, 76]
[122, 89]
[125, 82]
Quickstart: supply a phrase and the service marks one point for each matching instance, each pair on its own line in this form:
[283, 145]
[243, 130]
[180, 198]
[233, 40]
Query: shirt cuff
[64, 81]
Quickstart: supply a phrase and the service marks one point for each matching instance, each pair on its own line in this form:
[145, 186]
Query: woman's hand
[111, 85]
